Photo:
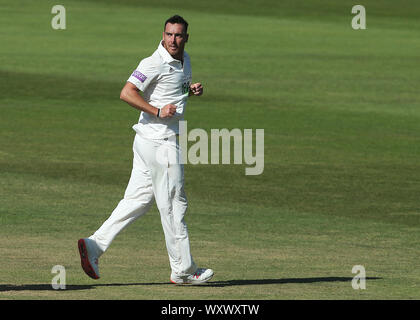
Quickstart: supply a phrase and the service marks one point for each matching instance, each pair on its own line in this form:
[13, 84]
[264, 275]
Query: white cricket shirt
[163, 80]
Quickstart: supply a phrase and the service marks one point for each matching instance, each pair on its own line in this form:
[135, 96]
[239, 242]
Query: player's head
[175, 36]
[177, 19]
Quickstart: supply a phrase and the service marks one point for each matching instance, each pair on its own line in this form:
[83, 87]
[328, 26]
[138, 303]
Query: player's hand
[167, 111]
[196, 89]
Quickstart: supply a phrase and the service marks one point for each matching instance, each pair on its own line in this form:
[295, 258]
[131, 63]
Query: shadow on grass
[281, 281]
[227, 283]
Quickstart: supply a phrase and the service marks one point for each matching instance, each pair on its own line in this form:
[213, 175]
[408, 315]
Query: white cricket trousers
[154, 176]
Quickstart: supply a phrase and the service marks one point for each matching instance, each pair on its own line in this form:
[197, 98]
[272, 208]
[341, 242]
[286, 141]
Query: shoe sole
[86, 266]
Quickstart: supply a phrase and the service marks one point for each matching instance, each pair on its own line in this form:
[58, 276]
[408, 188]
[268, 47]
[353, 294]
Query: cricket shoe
[88, 257]
[202, 275]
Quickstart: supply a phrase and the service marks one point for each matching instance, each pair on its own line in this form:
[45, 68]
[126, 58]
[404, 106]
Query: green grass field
[340, 109]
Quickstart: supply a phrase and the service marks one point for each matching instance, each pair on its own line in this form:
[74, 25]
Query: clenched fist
[196, 89]
[167, 111]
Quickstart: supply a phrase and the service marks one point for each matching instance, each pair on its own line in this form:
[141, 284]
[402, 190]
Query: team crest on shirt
[185, 87]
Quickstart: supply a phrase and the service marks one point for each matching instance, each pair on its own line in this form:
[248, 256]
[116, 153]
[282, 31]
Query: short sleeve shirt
[163, 80]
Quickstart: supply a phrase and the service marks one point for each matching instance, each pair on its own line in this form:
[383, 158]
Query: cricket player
[165, 81]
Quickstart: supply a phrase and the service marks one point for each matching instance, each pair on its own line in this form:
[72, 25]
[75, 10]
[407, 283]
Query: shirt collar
[165, 54]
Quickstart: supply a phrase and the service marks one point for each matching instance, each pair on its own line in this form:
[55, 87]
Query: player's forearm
[134, 99]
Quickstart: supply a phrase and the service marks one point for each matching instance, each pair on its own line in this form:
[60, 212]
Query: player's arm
[130, 94]
[196, 89]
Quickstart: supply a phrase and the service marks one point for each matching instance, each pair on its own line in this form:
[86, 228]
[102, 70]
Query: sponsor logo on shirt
[138, 75]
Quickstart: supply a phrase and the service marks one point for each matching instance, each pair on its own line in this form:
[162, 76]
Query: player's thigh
[140, 183]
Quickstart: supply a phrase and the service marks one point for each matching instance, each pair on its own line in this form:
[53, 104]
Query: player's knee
[139, 196]
[179, 195]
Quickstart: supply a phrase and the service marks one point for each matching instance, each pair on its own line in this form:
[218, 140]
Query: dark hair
[176, 19]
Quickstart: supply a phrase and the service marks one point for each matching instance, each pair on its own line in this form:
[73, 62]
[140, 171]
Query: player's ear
[186, 37]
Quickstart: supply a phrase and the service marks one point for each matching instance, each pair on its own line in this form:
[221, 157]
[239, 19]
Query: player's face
[174, 39]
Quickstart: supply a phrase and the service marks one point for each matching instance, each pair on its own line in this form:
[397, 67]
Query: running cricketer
[165, 81]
